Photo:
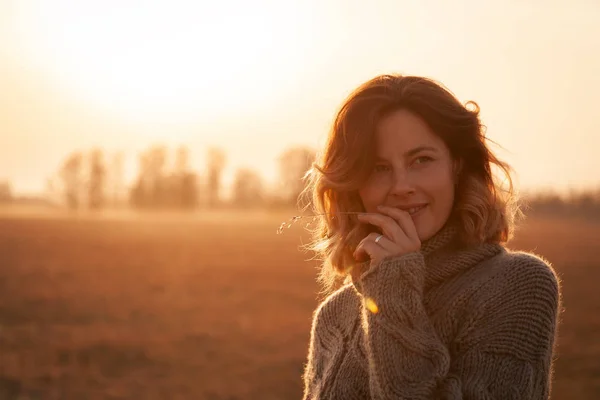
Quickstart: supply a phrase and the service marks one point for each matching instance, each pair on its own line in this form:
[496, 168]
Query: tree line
[94, 180]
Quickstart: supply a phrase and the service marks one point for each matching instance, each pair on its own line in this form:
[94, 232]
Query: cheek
[371, 196]
[441, 188]
[447, 194]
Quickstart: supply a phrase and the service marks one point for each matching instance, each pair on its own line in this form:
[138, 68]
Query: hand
[399, 235]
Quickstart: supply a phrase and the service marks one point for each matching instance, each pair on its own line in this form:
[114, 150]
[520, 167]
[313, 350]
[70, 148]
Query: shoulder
[527, 268]
[338, 311]
[519, 276]
[515, 306]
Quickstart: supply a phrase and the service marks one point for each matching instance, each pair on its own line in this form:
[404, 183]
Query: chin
[427, 225]
[425, 231]
[423, 234]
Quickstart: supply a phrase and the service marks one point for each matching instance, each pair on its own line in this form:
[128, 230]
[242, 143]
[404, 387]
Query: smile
[414, 210]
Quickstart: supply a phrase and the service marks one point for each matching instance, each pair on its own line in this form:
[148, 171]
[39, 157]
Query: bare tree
[157, 187]
[182, 160]
[247, 188]
[216, 161]
[115, 180]
[157, 161]
[71, 174]
[150, 188]
[293, 165]
[96, 180]
[186, 185]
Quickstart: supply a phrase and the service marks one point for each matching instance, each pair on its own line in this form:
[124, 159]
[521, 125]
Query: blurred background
[150, 150]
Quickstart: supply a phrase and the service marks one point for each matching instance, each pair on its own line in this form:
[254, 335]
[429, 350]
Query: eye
[381, 168]
[422, 160]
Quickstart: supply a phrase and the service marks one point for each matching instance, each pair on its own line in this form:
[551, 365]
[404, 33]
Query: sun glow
[168, 61]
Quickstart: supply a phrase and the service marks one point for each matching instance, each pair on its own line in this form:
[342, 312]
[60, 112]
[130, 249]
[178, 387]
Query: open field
[210, 307]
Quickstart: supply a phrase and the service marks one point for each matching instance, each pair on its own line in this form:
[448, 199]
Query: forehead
[402, 131]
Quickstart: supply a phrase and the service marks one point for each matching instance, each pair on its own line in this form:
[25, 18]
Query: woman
[433, 305]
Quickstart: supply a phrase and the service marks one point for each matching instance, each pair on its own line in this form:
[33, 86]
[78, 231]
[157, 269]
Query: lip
[421, 207]
[406, 207]
[419, 211]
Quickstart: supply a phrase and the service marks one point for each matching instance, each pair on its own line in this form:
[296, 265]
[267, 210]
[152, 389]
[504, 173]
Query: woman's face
[413, 171]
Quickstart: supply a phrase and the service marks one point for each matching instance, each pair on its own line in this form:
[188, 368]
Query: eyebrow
[414, 151]
[419, 149]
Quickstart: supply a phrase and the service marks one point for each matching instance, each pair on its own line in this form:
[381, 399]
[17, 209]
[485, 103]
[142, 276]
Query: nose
[402, 184]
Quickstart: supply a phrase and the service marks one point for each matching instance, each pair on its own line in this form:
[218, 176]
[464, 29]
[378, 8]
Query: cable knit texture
[452, 323]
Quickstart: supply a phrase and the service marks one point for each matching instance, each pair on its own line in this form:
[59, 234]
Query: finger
[403, 219]
[371, 250]
[388, 225]
[384, 242]
[359, 253]
[372, 237]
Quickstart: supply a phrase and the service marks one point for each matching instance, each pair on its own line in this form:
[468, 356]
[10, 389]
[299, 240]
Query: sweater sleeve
[504, 350]
[318, 357]
[324, 351]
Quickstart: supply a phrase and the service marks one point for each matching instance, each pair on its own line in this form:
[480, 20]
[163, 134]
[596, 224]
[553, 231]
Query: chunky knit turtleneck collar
[445, 256]
[442, 239]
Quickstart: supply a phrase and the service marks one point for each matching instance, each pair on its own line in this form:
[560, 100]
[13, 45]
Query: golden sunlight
[167, 61]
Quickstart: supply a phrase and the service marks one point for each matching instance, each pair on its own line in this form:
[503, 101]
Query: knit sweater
[449, 322]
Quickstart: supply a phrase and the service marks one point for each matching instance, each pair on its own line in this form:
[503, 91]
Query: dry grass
[218, 307]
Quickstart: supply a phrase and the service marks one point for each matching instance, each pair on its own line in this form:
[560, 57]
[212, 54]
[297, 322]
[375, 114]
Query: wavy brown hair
[484, 205]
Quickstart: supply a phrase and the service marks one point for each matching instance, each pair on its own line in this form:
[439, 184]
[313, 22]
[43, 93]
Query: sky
[257, 77]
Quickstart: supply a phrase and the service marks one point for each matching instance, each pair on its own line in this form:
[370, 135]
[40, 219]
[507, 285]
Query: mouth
[414, 210]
